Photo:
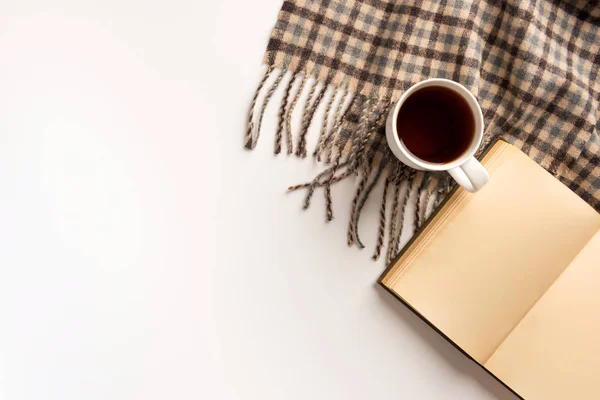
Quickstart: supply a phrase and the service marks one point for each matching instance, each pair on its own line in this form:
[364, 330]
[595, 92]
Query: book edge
[432, 326]
[413, 310]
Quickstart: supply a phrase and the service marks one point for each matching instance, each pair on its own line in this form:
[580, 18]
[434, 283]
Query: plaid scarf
[533, 65]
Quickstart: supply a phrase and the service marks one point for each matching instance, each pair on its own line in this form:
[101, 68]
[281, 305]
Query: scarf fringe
[282, 117]
[288, 115]
[340, 112]
[347, 146]
[325, 125]
[382, 221]
[393, 231]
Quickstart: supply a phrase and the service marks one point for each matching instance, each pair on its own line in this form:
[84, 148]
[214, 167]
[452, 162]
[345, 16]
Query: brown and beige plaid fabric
[533, 65]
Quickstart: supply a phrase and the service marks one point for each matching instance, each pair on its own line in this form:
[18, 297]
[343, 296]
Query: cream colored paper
[554, 352]
[485, 260]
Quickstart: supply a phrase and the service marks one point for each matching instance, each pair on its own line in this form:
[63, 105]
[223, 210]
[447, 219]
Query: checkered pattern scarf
[533, 66]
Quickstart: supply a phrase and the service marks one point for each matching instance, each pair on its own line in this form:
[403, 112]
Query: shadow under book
[511, 277]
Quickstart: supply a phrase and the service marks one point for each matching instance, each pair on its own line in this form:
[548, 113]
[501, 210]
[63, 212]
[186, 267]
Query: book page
[486, 258]
[554, 352]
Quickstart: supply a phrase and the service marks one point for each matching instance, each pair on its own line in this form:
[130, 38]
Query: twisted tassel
[443, 191]
[351, 237]
[362, 203]
[290, 144]
[394, 218]
[317, 182]
[375, 126]
[301, 151]
[430, 191]
[250, 130]
[305, 112]
[367, 165]
[382, 221]
[337, 148]
[411, 182]
[282, 113]
[340, 113]
[424, 182]
[328, 201]
[268, 96]
[360, 157]
[324, 128]
[334, 180]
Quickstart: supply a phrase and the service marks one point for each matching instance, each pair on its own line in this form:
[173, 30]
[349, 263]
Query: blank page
[554, 352]
[487, 257]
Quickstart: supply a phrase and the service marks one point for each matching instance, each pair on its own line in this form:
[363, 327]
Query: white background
[145, 255]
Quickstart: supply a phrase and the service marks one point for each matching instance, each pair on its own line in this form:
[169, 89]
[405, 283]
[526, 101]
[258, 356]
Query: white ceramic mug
[465, 169]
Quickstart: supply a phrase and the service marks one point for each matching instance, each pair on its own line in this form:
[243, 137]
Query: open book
[511, 276]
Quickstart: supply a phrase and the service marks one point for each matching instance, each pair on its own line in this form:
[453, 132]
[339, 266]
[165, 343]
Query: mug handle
[471, 175]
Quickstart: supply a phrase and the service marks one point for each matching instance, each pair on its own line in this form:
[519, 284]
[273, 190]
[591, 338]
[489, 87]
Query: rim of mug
[473, 103]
